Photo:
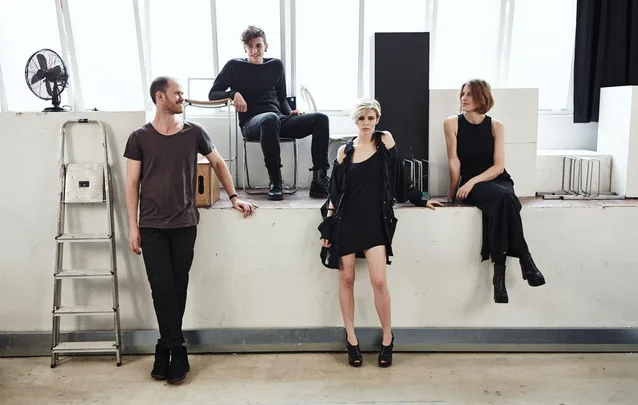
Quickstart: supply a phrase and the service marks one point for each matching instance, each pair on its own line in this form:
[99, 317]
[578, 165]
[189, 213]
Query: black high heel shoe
[530, 272]
[385, 357]
[355, 358]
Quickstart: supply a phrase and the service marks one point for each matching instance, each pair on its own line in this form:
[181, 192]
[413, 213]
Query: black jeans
[168, 255]
[268, 127]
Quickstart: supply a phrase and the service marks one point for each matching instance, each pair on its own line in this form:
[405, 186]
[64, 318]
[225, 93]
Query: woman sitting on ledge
[359, 219]
[476, 154]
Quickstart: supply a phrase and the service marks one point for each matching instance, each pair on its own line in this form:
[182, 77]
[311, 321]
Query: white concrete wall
[265, 271]
[618, 136]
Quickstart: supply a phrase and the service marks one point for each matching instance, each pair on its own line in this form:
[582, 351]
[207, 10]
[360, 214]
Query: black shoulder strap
[377, 138]
[349, 151]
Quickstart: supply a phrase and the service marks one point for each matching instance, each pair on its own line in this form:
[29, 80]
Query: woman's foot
[355, 358]
[530, 272]
[385, 357]
[498, 281]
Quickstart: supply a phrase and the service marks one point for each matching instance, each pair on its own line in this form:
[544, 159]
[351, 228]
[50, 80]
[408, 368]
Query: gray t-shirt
[169, 174]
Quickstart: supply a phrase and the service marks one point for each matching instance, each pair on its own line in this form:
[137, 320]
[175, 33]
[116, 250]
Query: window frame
[288, 44]
[4, 106]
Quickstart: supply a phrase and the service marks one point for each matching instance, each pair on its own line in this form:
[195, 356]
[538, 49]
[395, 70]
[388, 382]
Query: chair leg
[249, 189]
[245, 168]
[296, 168]
[295, 152]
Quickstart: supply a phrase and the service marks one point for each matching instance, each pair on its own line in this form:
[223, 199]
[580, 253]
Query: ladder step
[83, 310]
[92, 273]
[84, 202]
[84, 237]
[86, 347]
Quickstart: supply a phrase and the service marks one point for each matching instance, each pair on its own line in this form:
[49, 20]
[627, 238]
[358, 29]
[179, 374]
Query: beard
[174, 108]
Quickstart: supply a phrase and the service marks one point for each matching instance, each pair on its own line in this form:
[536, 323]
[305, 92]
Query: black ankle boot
[179, 364]
[530, 272]
[500, 291]
[320, 184]
[161, 363]
[275, 188]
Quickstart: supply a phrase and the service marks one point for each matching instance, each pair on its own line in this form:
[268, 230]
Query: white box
[618, 136]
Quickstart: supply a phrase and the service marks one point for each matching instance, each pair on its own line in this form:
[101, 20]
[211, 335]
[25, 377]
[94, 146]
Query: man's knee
[163, 292]
[321, 120]
[270, 122]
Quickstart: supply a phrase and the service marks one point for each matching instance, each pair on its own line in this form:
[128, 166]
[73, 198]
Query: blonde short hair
[364, 105]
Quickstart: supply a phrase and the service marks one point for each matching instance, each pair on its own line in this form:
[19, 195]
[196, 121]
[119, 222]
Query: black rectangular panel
[400, 79]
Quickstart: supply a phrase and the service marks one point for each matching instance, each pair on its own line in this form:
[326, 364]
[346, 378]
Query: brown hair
[481, 93]
[251, 33]
[160, 83]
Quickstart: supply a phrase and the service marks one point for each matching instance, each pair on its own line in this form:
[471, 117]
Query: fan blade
[54, 72]
[43, 61]
[37, 77]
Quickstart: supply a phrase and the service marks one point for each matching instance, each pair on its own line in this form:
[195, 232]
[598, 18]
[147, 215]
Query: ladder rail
[114, 278]
[112, 244]
[57, 347]
[59, 249]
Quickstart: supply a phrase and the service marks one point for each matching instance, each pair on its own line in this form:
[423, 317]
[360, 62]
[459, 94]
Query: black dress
[502, 225]
[362, 223]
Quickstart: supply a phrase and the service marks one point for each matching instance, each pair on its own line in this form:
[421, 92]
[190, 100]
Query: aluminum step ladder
[84, 183]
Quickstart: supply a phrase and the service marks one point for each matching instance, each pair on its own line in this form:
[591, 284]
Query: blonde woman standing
[359, 219]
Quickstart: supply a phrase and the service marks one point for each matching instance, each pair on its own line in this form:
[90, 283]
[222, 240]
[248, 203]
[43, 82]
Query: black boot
[179, 364]
[320, 183]
[530, 272]
[275, 191]
[500, 291]
[161, 363]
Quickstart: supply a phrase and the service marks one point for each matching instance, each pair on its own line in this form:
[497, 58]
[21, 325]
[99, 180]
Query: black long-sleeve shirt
[263, 86]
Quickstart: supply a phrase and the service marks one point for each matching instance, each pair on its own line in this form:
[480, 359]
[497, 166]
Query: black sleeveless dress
[362, 221]
[502, 225]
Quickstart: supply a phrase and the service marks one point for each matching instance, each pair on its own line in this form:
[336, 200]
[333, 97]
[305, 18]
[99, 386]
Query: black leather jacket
[396, 186]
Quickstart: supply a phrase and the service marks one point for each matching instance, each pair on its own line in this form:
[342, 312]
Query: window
[542, 58]
[234, 16]
[178, 41]
[181, 43]
[384, 16]
[106, 51]
[26, 27]
[466, 42]
[326, 51]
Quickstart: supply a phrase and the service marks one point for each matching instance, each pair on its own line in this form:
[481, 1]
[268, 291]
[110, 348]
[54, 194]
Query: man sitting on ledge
[258, 88]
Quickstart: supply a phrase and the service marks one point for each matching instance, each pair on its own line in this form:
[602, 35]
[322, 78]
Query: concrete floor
[269, 379]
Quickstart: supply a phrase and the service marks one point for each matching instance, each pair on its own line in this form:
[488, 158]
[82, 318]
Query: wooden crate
[206, 186]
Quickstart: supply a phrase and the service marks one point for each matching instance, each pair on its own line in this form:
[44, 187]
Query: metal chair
[227, 102]
[292, 101]
[220, 104]
[249, 189]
